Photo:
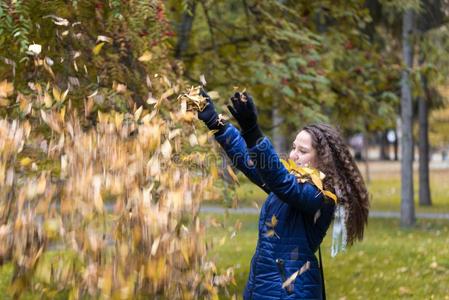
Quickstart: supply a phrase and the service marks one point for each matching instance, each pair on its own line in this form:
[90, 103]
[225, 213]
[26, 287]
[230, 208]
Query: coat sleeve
[304, 196]
[235, 147]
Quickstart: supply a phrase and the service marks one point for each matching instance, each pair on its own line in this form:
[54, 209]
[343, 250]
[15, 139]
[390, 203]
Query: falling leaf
[214, 95]
[214, 171]
[146, 56]
[316, 216]
[138, 113]
[57, 94]
[48, 101]
[58, 20]
[96, 50]
[120, 88]
[155, 246]
[34, 49]
[193, 99]
[193, 140]
[26, 161]
[270, 233]
[166, 149]
[232, 174]
[203, 80]
[273, 222]
[148, 82]
[102, 38]
[292, 277]
[167, 93]
[6, 89]
[118, 120]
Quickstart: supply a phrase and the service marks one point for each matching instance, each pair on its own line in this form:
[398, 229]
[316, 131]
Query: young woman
[295, 216]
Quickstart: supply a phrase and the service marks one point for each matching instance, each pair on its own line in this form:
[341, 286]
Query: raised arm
[235, 147]
[304, 196]
[231, 141]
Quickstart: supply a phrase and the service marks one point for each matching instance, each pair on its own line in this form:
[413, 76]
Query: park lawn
[384, 189]
[391, 263]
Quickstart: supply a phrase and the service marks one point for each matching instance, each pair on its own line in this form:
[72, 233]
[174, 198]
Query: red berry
[311, 63]
[349, 45]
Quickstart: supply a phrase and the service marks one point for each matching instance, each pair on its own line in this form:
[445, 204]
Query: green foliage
[87, 46]
[311, 60]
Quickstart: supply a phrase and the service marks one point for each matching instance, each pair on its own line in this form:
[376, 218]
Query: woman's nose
[292, 155]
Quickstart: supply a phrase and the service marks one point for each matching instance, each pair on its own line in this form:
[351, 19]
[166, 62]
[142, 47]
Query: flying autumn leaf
[6, 89]
[292, 277]
[232, 174]
[146, 56]
[96, 50]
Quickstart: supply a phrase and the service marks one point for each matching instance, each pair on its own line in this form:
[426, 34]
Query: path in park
[372, 214]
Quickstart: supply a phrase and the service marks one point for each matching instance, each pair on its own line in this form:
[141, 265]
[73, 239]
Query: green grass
[391, 263]
[384, 188]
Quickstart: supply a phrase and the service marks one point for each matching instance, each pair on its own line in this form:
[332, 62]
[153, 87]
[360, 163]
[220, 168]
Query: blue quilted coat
[283, 247]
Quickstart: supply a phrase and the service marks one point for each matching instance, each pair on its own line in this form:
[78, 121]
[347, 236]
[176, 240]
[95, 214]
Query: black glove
[209, 116]
[245, 112]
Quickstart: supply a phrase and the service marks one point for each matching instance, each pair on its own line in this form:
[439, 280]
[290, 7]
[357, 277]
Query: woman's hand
[209, 115]
[245, 112]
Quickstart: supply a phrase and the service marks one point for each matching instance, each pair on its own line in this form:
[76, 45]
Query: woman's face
[303, 154]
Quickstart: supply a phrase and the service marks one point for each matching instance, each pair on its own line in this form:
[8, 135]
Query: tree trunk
[423, 114]
[384, 153]
[184, 29]
[278, 136]
[407, 204]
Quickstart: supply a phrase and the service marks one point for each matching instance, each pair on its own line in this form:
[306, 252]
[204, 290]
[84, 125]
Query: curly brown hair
[342, 174]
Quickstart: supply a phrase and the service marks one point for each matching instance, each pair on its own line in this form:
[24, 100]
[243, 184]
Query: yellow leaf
[307, 170]
[166, 149]
[274, 221]
[185, 252]
[232, 174]
[120, 88]
[48, 101]
[57, 94]
[4, 102]
[286, 164]
[292, 164]
[316, 181]
[96, 50]
[24, 104]
[146, 56]
[25, 161]
[6, 89]
[214, 171]
[64, 95]
[62, 114]
[167, 93]
[292, 277]
[330, 195]
[270, 233]
[138, 113]
[118, 120]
